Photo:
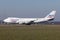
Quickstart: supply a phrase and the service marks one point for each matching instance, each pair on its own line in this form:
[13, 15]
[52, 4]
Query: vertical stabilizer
[51, 15]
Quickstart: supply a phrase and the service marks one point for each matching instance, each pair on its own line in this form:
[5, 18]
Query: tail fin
[51, 15]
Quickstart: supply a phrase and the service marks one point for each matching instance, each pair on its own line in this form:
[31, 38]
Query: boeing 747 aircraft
[29, 21]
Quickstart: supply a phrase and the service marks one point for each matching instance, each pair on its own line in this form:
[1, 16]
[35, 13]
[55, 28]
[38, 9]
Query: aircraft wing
[27, 22]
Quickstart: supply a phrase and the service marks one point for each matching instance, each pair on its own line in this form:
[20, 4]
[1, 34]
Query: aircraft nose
[5, 20]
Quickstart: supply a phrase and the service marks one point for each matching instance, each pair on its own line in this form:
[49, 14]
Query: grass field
[29, 32]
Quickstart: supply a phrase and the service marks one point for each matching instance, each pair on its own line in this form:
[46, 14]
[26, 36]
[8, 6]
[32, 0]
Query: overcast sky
[29, 8]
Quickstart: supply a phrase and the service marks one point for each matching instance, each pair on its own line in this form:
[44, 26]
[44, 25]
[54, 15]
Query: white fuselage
[24, 20]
